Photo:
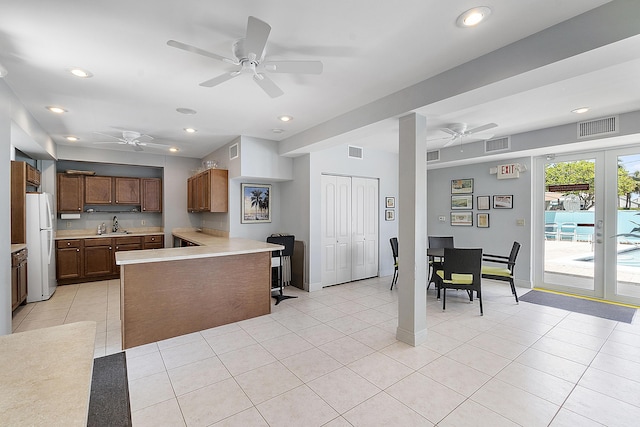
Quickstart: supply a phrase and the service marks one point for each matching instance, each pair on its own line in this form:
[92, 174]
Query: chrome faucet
[115, 226]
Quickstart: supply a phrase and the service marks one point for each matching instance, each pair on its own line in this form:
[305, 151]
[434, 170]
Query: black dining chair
[461, 270]
[277, 274]
[394, 251]
[503, 271]
[434, 265]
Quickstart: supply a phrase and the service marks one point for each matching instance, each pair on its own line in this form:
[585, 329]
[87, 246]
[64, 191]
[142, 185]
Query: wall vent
[233, 151]
[498, 144]
[355, 152]
[602, 126]
[433, 156]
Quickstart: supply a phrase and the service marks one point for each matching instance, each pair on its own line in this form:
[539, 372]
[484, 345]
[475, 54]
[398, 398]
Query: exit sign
[509, 171]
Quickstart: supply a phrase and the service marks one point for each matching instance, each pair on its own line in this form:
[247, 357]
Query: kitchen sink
[117, 233]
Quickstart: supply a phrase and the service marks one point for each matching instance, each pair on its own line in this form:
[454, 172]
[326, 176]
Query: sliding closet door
[336, 229]
[364, 235]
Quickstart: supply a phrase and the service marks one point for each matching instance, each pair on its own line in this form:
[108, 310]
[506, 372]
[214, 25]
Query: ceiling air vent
[355, 152]
[598, 127]
[433, 156]
[233, 151]
[498, 144]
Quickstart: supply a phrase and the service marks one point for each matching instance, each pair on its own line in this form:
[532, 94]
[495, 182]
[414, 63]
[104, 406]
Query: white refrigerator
[41, 264]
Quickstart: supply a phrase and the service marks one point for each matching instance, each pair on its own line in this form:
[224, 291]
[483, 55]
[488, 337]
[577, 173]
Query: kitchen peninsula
[169, 292]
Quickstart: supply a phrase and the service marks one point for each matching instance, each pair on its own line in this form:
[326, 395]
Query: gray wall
[503, 229]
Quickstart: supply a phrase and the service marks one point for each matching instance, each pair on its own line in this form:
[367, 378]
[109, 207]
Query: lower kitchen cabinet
[153, 242]
[18, 278]
[98, 257]
[69, 259]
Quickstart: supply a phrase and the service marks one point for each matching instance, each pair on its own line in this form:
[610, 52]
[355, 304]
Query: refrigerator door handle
[50, 238]
[49, 223]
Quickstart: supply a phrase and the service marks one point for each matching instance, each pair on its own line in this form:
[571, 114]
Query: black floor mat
[580, 305]
[109, 401]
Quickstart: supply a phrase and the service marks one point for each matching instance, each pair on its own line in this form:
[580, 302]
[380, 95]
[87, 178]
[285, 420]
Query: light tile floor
[330, 358]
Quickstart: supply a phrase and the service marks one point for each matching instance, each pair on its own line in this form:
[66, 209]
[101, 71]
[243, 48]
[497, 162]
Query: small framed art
[390, 202]
[483, 202]
[503, 202]
[462, 186]
[462, 202]
[482, 220]
[462, 218]
[255, 205]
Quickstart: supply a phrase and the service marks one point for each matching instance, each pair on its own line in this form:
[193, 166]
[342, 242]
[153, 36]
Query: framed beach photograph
[503, 202]
[462, 202]
[390, 202]
[389, 215]
[255, 204]
[462, 186]
[462, 218]
[482, 220]
[484, 203]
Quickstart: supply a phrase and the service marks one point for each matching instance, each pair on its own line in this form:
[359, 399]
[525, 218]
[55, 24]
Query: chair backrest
[286, 241]
[394, 247]
[512, 256]
[463, 261]
[440, 241]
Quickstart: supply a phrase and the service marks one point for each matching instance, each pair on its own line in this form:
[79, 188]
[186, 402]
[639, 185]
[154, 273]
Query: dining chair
[437, 242]
[394, 252]
[504, 271]
[461, 270]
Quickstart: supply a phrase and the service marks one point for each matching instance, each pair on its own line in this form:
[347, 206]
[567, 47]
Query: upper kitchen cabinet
[208, 191]
[23, 175]
[151, 194]
[98, 190]
[70, 193]
[127, 191]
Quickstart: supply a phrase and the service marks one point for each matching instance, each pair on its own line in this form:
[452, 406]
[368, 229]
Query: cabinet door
[205, 191]
[190, 194]
[127, 191]
[15, 284]
[154, 242]
[218, 191]
[151, 194]
[68, 263]
[33, 176]
[98, 190]
[22, 282]
[125, 244]
[70, 193]
[98, 258]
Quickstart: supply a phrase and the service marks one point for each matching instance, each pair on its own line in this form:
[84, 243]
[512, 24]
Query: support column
[412, 230]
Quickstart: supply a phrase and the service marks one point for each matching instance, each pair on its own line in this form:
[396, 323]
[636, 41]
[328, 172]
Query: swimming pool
[627, 257]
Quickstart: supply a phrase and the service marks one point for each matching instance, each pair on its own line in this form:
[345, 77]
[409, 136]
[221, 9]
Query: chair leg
[394, 279]
[480, 299]
[513, 290]
[444, 297]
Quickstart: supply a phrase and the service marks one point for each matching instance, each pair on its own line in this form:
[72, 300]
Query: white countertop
[15, 247]
[211, 246]
[46, 375]
[89, 234]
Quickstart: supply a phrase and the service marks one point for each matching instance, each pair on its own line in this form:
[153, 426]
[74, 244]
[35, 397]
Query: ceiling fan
[248, 57]
[457, 131]
[135, 139]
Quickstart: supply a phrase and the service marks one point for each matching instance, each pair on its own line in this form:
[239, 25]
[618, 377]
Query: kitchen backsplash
[126, 220]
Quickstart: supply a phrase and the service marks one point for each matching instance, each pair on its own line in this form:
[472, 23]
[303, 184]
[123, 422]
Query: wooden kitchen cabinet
[18, 278]
[151, 194]
[127, 191]
[155, 241]
[69, 259]
[98, 190]
[98, 257]
[208, 191]
[23, 175]
[70, 193]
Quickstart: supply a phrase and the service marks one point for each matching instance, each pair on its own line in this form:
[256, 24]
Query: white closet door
[371, 228]
[364, 231]
[328, 226]
[343, 229]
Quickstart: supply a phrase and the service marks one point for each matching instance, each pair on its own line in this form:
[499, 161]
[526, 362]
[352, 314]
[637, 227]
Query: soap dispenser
[115, 224]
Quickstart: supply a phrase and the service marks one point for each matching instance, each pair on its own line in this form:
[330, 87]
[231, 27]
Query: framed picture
[462, 218]
[389, 215]
[484, 203]
[482, 220]
[503, 202]
[462, 186]
[462, 202]
[390, 202]
[256, 206]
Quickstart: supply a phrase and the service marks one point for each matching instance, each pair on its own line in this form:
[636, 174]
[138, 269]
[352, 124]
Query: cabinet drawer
[74, 243]
[100, 241]
[152, 239]
[127, 240]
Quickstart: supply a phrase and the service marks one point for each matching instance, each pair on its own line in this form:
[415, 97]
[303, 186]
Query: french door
[589, 225]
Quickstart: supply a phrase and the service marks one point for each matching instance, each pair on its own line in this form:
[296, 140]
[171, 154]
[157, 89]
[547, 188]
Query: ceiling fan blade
[256, 38]
[481, 128]
[137, 147]
[450, 142]
[199, 51]
[118, 139]
[153, 144]
[297, 67]
[268, 85]
[450, 132]
[220, 79]
[438, 139]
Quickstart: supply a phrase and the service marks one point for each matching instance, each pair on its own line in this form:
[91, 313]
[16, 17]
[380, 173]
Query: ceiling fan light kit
[133, 139]
[249, 55]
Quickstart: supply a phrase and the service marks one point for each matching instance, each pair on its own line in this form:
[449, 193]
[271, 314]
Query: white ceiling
[369, 50]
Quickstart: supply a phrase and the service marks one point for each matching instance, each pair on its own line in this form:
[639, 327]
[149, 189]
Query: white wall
[503, 230]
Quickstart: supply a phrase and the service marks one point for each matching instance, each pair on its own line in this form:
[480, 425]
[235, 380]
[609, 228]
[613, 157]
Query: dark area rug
[580, 305]
[109, 401]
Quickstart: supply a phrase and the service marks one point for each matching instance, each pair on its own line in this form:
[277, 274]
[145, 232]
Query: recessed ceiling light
[72, 138]
[473, 17]
[186, 111]
[285, 118]
[174, 149]
[580, 110]
[79, 72]
[277, 130]
[57, 110]
[190, 130]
